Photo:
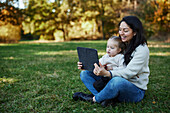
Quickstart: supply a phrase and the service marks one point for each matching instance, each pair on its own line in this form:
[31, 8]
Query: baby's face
[112, 48]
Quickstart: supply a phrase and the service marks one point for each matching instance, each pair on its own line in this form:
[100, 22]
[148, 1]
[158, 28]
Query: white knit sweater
[137, 71]
[115, 62]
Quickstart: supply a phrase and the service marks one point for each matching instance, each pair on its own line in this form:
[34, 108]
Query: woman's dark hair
[136, 25]
[120, 43]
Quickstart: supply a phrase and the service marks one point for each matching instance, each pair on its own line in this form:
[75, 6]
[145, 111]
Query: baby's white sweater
[115, 62]
[137, 71]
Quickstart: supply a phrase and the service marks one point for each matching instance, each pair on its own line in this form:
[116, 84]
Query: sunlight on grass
[12, 58]
[158, 44]
[54, 75]
[65, 52]
[8, 58]
[9, 44]
[7, 80]
[101, 53]
[160, 54]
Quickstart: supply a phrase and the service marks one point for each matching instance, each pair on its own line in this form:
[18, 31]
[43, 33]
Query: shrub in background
[9, 33]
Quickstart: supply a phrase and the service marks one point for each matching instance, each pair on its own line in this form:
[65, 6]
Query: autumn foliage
[10, 21]
[86, 19]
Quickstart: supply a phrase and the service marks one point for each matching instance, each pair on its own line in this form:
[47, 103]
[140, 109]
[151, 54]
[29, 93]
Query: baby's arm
[119, 64]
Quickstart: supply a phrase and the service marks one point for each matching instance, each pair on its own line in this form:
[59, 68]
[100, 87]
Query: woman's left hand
[100, 71]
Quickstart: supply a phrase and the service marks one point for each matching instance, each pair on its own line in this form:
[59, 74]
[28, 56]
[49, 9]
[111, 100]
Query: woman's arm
[120, 62]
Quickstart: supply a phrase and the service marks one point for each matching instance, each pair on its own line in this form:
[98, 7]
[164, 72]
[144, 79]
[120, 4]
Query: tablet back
[88, 57]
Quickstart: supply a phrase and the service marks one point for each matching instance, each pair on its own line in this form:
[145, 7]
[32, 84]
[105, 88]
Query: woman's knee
[83, 74]
[117, 82]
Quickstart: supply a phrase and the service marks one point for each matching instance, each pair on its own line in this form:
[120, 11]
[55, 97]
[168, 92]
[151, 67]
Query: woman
[128, 84]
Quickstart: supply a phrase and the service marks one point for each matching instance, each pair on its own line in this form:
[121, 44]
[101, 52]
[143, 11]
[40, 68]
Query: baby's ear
[119, 50]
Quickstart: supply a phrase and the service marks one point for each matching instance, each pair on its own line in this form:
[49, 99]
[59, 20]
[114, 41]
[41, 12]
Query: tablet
[88, 57]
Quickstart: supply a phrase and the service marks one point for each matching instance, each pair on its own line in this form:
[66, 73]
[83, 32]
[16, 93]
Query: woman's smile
[125, 32]
[123, 37]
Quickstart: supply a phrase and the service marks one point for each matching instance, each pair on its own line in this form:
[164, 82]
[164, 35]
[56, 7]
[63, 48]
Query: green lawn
[42, 77]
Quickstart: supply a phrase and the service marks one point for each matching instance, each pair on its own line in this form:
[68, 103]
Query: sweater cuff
[111, 74]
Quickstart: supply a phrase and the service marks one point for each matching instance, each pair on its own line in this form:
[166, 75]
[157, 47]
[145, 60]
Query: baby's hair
[120, 43]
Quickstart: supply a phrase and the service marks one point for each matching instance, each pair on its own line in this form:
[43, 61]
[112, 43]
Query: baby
[112, 60]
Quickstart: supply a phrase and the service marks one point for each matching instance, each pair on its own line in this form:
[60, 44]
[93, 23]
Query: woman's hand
[79, 65]
[101, 71]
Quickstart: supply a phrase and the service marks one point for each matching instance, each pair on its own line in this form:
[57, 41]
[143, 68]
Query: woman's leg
[122, 89]
[88, 78]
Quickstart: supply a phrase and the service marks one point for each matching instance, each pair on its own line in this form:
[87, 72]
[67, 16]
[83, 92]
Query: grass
[42, 77]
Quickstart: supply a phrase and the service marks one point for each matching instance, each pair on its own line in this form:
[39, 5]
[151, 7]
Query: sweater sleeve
[141, 55]
[102, 59]
[120, 62]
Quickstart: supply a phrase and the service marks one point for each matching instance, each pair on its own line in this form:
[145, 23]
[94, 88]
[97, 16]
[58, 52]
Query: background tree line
[82, 19]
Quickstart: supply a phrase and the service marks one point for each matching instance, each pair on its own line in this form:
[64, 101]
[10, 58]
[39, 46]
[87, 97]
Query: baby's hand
[107, 67]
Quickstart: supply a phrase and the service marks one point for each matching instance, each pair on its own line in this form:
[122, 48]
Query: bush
[9, 33]
[46, 37]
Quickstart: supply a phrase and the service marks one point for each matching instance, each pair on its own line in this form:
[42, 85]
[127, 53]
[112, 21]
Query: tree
[10, 21]
[49, 17]
[9, 13]
[104, 12]
[39, 13]
[91, 17]
[161, 14]
[68, 12]
[154, 14]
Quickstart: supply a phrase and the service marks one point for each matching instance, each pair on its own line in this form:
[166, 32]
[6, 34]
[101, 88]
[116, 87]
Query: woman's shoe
[76, 96]
[83, 97]
[109, 102]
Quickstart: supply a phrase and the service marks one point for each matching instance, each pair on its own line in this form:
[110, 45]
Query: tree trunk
[103, 30]
[102, 20]
[135, 5]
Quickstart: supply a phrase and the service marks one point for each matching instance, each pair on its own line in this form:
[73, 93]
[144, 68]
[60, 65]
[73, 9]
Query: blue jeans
[117, 87]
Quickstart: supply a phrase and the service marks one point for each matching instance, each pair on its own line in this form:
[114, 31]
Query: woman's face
[125, 32]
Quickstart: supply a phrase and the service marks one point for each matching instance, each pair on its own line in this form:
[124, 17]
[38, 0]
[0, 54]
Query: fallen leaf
[153, 102]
